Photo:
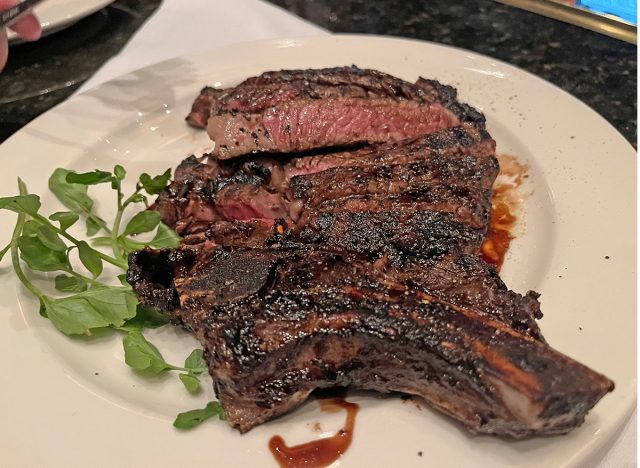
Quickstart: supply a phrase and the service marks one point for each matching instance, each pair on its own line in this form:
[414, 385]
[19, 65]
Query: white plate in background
[69, 402]
[55, 15]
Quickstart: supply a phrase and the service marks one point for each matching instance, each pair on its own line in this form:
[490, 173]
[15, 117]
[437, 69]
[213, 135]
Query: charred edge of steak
[201, 108]
[354, 81]
[448, 96]
[275, 327]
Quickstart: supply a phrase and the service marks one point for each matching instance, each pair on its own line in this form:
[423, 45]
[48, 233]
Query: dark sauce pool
[321, 452]
[507, 200]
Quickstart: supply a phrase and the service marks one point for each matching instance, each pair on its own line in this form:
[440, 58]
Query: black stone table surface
[599, 70]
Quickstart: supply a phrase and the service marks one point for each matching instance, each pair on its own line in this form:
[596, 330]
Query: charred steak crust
[357, 266]
[277, 325]
[201, 108]
[296, 110]
[428, 196]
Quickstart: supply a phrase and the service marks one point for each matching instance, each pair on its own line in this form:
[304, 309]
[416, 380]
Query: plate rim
[61, 22]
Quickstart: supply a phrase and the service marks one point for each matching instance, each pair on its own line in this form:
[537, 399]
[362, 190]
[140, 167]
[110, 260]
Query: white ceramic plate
[58, 14]
[73, 402]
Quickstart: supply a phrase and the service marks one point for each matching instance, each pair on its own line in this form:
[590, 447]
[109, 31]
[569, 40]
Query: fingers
[28, 27]
[4, 48]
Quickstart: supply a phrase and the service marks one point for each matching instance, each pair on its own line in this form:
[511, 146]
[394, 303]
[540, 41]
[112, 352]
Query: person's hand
[28, 27]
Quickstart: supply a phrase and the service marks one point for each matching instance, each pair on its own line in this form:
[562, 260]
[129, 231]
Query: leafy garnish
[65, 218]
[165, 238]
[142, 356]
[95, 308]
[87, 303]
[39, 257]
[195, 362]
[146, 317]
[74, 196]
[193, 418]
[155, 185]
[144, 221]
[195, 365]
[66, 283]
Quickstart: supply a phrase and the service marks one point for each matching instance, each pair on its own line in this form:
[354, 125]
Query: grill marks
[357, 266]
[429, 195]
[277, 325]
[298, 110]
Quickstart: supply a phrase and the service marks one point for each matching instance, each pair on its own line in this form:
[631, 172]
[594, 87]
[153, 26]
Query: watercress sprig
[44, 244]
[193, 418]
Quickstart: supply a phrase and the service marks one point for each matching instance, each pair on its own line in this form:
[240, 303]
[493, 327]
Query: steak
[429, 195]
[345, 254]
[275, 325]
[298, 110]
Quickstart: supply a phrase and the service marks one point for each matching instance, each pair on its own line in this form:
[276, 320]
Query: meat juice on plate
[507, 201]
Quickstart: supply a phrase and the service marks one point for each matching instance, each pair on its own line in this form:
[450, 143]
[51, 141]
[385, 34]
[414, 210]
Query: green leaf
[95, 308]
[102, 241]
[89, 178]
[93, 226]
[142, 356]
[131, 245]
[123, 281]
[119, 172]
[191, 382]
[70, 284]
[29, 204]
[137, 198]
[40, 257]
[155, 185]
[195, 362]
[146, 317]
[30, 228]
[144, 221]
[50, 239]
[90, 258]
[65, 218]
[73, 196]
[165, 238]
[73, 316]
[193, 418]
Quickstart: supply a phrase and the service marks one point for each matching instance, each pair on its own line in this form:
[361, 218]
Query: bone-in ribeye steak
[354, 264]
[277, 325]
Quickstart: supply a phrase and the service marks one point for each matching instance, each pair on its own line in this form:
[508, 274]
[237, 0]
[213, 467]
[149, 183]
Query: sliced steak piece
[438, 185]
[305, 124]
[298, 110]
[277, 325]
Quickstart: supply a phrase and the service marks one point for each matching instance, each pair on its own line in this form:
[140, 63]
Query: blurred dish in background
[625, 9]
[615, 18]
[58, 14]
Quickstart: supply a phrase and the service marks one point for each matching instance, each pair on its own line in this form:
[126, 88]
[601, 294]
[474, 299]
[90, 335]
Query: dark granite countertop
[597, 69]
[39, 75]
